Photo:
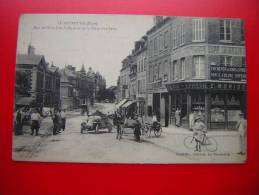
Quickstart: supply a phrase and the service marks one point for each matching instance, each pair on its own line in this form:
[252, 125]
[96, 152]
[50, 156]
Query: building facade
[208, 70]
[43, 81]
[195, 65]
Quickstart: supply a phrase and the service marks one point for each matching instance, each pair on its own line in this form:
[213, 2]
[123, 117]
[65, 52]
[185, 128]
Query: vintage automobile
[96, 121]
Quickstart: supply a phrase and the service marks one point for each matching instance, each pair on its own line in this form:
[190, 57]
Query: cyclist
[199, 131]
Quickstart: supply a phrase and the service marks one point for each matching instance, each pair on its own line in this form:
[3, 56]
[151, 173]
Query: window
[161, 44]
[182, 34]
[175, 70]
[182, 69]
[151, 47]
[166, 39]
[226, 60]
[174, 37]
[145, 64]
[225, 30]
[199, 66]
[155, 45]
[139, 86]
[243, 61]
[150, 76]
[198, 29]
[242, 31]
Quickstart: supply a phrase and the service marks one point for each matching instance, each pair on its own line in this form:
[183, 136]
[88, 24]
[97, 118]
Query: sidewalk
[26, 145]
[215, 132]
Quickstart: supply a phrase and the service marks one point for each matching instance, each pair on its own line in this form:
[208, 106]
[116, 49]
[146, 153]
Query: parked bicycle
[209, 143]
[147, 129]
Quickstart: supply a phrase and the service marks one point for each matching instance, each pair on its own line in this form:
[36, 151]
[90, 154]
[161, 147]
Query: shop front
[218, 103]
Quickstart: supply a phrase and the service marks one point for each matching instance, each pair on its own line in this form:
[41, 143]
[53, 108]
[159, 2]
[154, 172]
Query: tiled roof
[29, 59]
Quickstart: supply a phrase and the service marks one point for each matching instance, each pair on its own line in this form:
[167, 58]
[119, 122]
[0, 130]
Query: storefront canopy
[25, 101]
[129, 103]
[121, 103]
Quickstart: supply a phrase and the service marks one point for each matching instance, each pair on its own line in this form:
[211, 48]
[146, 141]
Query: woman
[199, 131]
[19, 122]
[178, 117]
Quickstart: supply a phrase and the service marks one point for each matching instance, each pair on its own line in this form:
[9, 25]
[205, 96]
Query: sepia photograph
[94, 88]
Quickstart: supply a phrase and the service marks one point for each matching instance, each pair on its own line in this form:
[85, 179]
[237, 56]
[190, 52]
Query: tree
[23, 83]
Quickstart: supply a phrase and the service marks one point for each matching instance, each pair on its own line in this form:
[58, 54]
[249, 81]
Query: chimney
[157, 20]
[31, 50]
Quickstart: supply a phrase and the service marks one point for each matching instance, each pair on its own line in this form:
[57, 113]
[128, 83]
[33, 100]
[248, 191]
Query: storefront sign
[228, 72]
[207, 86]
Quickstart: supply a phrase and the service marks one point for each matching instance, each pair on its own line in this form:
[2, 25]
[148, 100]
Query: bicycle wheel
[211, 144]
[189, 142]
[158, 132]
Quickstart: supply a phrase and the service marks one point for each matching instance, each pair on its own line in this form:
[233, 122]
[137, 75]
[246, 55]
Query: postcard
[130, 89]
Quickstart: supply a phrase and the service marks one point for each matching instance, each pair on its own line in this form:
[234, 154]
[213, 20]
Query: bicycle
[148, 128]
[209, 143]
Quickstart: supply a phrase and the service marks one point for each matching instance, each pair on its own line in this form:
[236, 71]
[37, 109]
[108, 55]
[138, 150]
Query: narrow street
[72, 146]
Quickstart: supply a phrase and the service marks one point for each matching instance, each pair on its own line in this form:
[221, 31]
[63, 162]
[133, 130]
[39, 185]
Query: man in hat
[241, 127]
[199, 131]
[35, 122]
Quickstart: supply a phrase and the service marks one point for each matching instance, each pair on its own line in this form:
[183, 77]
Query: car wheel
[109, 128]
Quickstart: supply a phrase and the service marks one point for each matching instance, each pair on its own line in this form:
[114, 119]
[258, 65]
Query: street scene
[173, 92]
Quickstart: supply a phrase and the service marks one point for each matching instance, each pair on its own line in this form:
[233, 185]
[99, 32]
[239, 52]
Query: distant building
[79, 87]
[42, 80]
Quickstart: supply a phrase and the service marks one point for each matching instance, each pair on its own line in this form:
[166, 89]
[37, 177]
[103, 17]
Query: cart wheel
[109, 128]
[158, 132]
[83, 127]
[97, 128]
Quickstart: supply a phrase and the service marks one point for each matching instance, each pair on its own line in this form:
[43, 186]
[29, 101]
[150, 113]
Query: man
[241, 127]
[55, 119]
[19, 122]
[35, 122]
[117, 123]
[63, 119]
[199, 131]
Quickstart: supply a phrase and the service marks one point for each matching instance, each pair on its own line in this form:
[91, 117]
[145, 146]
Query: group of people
[199, 131]
[27, 114]
[59, 121]
[33, 115]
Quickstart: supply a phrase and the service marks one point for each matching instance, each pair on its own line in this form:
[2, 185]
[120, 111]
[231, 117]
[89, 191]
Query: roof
[29, 59]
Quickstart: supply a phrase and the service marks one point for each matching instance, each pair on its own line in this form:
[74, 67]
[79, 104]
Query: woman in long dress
[178, 117]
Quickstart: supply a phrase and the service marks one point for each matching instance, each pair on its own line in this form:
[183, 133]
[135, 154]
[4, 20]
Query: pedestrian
[35, 122]
[137, 130]
[178, 117]
[117, 123]
[199, 131]
[191, 120]
[19, 122]
[63, 119]
[241, 127]
[154, 119]
[55, 119]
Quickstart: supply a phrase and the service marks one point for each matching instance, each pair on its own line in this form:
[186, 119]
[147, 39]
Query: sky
[97, 41]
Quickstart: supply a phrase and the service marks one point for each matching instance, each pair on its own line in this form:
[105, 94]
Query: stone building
[124, 79]
[198, 64]
[42, 88]
[79, 87]
[193, 64]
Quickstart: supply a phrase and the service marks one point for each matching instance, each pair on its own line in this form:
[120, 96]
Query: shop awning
[121, 103]
[25, 101]
[129, 103]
